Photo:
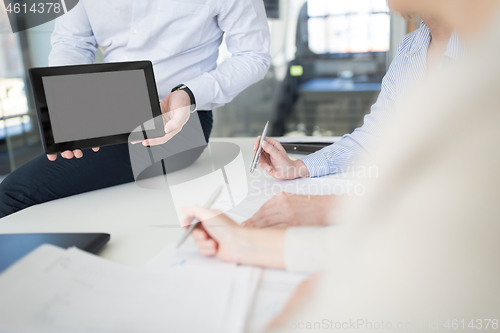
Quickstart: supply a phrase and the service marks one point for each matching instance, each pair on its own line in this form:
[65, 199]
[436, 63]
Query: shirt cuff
[316, 164]
[305, 249]
[203, 91]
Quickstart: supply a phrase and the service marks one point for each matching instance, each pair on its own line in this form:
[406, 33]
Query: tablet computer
[15, 246]
[87, 106]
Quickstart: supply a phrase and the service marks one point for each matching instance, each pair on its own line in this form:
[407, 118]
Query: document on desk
[276, 287]
[243, 285]
[57, 290]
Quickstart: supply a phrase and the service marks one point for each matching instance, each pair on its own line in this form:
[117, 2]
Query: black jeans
[40, 180]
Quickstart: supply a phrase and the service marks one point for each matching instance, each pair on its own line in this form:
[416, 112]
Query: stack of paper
[57, 290]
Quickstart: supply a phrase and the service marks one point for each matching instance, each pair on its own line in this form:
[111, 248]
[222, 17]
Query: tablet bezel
[42, 111]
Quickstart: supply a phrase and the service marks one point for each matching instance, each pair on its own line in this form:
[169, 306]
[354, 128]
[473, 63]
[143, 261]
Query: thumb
[270, 149]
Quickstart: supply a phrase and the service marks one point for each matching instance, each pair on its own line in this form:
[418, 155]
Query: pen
[207, 204]
[256, 156]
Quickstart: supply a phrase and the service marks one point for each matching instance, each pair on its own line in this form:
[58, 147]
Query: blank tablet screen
[85, 106]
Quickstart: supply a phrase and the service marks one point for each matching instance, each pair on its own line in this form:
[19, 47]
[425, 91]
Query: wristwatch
[189, 92]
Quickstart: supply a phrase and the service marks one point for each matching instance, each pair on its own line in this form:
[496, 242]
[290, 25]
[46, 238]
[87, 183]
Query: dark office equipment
[315, 78]
[15, 246]
[272, 8]
[304, 148]
[87, 106]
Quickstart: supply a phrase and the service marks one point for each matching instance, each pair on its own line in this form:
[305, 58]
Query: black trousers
[41, 180]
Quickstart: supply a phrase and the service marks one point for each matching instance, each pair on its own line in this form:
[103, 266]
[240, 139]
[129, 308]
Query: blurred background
[328, 60]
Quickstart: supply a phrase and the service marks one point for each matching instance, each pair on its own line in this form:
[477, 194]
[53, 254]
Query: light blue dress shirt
[181, 38]
[408, 68]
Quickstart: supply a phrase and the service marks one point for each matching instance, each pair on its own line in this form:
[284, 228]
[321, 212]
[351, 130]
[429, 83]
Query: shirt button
[136, 31]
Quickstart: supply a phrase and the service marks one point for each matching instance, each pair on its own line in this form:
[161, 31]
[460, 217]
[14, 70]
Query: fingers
[52, 157]
[159, 141]
[256, 144]
[276, 144]
[267, 220]
[276, 211]
[265, 163]
[172, 128]
[77, 153]
[270, 149]
[206, 245]
[67, 154]
[187, 221]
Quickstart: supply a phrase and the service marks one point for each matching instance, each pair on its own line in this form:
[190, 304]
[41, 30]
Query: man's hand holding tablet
[175, 109]
[68, 154]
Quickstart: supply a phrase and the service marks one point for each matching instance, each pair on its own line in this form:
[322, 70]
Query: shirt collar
[455, 49]
[421, 40]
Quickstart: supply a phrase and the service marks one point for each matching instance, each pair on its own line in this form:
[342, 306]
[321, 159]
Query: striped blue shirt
[408, 68]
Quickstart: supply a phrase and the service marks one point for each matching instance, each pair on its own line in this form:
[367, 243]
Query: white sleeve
[73, 41]
[306, 248]
[245, 25]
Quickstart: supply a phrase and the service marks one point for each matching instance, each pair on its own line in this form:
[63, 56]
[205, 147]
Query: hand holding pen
[275, 161]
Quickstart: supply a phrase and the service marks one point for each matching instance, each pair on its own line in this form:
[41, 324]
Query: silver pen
[256, 156]
[211, 200]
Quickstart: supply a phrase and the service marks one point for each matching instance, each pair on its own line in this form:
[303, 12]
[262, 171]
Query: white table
[141, 221]
[131, 214]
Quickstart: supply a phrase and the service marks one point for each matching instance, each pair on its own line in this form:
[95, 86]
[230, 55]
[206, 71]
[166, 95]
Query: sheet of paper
[54, 290]
[275, 290]
[242, 297]
[243, 286]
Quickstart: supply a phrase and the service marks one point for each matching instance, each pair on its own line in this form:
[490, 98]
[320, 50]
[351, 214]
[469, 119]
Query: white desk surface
[141, 221]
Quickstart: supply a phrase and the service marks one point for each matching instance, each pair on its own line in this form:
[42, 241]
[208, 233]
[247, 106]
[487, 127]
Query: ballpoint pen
[207, 204]
[256, 156]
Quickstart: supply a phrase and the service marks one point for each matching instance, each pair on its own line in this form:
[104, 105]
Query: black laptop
[15, 246]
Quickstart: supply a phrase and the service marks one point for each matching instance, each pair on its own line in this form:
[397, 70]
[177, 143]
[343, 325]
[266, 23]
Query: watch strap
[189, 92]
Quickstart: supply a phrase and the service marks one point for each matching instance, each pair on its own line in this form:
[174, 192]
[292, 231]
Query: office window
[348, 26]
[13, 102]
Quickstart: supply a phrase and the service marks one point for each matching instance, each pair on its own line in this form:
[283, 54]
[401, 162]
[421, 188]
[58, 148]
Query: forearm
[248, 39]
[261, 247]
[220, 86]
[73, 40]
[64, 55]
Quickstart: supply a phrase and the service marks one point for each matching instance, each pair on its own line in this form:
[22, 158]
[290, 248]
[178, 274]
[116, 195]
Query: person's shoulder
[413, 39]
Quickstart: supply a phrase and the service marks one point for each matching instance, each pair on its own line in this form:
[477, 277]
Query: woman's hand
[175, 109]
[220, 236]
[275, 161]
[294, 210]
